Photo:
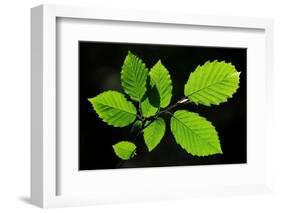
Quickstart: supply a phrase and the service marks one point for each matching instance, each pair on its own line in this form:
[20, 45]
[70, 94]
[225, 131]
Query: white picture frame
[44, 148]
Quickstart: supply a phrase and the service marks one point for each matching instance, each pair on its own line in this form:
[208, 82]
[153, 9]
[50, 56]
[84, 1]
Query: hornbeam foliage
[148, 96]
[114, 109]
[133, 76]
[124, 149]
[195, 134]
[212, 83]
[154, 133]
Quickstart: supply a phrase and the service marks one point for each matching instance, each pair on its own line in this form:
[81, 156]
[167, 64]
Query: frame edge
[37, 106]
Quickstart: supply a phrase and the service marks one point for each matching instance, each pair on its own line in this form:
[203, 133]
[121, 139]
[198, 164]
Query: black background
[99, 70]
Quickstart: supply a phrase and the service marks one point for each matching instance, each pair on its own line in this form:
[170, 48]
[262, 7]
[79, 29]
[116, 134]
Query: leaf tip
[159, 62]
[91, 99]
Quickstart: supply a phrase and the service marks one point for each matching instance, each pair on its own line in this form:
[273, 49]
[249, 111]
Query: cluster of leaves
[150, 92]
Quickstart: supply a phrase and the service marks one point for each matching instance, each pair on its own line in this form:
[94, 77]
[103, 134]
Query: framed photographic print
[132, 105]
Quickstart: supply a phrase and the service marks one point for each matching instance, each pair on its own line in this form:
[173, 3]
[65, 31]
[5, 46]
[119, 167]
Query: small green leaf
[195, 134]
[133, 77]
[151, 101]
[114, 109]
[124, 149]
[160, 78]
[212, 83]
[154, 133]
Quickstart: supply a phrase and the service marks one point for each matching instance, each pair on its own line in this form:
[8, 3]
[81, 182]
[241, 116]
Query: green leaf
[124, 149]
[160, 78]
[151, 102]
[154, 133]
[133, 77]
[195, 134]
[212, 83]
[114, 109]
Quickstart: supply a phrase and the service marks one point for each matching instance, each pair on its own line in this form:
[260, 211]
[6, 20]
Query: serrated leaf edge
[219, 151]
[229, 76]
[122, 77]
[132, 154]
[159, 63]
[89, 99]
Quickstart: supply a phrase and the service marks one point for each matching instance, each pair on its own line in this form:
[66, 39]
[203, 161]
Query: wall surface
[15, 105]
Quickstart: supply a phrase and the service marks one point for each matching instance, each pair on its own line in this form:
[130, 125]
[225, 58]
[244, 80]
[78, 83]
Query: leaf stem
[134, 141]
[141, 116]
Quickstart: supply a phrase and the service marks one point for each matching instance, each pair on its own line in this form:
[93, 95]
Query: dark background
[99, 70]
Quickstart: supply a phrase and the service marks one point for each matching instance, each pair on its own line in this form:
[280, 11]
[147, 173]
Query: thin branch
[184, 100]
[135, 140]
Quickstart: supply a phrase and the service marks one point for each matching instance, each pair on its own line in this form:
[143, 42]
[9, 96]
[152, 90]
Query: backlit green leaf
[114, 109]
[160, 78]
[124, 150]
[212, 83]
[195, 134]
[154, 133]
[151, 101]
[133, 77]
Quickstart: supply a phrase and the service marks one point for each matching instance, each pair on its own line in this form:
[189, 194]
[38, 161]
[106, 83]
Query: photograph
[145, 104]
[159, 105]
